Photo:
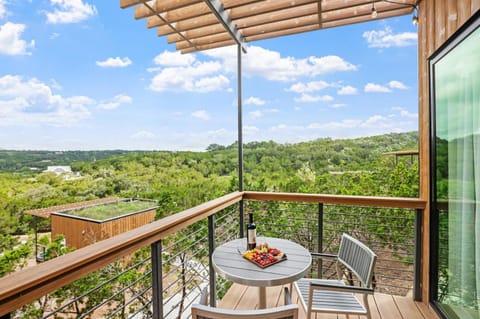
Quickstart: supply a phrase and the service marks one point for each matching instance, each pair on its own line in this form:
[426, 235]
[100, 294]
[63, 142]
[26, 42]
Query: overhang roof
[195, 25]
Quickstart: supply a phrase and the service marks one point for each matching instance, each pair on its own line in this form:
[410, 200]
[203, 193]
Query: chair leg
[309, 306]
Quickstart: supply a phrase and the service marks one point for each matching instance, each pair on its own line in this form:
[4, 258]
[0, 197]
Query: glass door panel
[455, 87]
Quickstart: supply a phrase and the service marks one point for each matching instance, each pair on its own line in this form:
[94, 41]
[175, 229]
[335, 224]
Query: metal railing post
[211, 248]
[157, 285]
[320, 239]
[417, 270]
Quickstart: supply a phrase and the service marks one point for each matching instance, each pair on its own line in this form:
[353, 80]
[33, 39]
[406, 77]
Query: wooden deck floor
[383, 306]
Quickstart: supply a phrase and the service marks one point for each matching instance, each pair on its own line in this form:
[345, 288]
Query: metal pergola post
[240, 135]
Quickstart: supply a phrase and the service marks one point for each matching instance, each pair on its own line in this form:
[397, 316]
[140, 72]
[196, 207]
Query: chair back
[281, 312]
[358, 258]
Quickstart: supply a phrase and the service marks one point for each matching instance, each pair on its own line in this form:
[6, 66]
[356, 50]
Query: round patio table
[228, 261]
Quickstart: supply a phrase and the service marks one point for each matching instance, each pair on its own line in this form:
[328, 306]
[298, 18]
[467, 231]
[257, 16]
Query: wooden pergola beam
[204, 24]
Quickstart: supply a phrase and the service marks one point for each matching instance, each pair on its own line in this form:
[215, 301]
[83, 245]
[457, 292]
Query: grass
[111, 210]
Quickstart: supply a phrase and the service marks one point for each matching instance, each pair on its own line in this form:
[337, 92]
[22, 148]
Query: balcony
[158, 270]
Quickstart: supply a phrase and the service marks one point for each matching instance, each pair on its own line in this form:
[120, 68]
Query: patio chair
[202, 311]
[334, 296]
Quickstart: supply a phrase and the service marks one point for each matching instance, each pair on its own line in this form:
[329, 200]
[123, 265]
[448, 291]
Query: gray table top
[228, 261]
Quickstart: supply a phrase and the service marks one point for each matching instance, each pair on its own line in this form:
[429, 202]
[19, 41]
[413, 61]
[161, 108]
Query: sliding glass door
[455, 138]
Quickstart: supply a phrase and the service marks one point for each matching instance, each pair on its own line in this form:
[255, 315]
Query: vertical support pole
[211, 248]
[157, 285]
[35, 219]
[240, 136]
[417, 270]
[320, 238]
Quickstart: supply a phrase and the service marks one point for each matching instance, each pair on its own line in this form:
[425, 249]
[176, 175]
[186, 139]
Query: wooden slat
[386, 307]
[161, 6]
[440, 23]
[209, 46]
[207, 40]
[475, 6]
[196, 33]
[452, 17]
[128, 3]
[175, 15]
[463, 9]
[184, 25]
[404, 305]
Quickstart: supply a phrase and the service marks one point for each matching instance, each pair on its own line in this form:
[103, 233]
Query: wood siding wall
[79, 233]
[438, 21]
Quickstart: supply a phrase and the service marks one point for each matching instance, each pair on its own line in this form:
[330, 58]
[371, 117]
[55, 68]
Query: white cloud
[254, 101]
[250, 129]
[397, 85]
[337, 105]
[201, 114]
[3, 11]
[347, 90]
[272, 66]
[54, 35]
[297, 108]
[70, 11]
[256, 114]
[307, 98]
[308, 87]
[405, 113]
[116, 102]
[372, 87]
[187, 74]
[386, 38]
[31, 102]
[10, 41]
[169, 58]
[143, 135]
[114, 62]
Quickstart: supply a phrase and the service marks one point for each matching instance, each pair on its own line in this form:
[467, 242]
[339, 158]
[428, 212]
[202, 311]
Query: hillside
[180, 180]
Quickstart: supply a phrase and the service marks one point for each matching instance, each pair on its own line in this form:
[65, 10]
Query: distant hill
[39, 160]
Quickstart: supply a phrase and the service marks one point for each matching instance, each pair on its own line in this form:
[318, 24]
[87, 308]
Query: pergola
[195, 25]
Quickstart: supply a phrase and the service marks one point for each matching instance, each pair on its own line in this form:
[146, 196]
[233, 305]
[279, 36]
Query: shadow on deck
[383, 306]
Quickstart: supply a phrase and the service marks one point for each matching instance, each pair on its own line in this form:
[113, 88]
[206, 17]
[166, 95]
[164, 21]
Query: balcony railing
[157, 270]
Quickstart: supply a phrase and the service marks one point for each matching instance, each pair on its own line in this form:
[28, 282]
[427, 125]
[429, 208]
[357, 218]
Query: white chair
[202, 311]
[334, 296]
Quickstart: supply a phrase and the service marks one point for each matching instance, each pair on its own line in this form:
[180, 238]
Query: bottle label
[252, 236]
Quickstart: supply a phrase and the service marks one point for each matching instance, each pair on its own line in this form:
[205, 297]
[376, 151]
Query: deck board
[382, 306]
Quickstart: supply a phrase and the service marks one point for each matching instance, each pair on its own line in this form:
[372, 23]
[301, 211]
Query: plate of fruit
[264, 255]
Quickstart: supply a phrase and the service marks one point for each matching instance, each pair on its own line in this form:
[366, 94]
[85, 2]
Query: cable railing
[158, 270]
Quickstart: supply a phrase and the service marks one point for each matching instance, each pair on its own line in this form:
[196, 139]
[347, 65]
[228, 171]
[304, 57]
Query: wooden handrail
[394, 202]
[27, 285]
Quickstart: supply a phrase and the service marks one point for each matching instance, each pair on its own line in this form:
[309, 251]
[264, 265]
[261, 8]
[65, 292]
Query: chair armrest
[332, 286]
[324, 255]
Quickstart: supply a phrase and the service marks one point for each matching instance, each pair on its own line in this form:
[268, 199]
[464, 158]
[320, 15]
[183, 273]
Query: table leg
[262, 297]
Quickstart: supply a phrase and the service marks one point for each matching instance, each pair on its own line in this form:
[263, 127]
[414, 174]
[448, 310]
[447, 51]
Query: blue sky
[85, 75]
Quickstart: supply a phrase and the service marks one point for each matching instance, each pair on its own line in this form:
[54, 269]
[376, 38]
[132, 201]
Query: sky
[85, 75]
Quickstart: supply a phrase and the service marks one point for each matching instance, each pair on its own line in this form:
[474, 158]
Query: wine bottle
[251, 233]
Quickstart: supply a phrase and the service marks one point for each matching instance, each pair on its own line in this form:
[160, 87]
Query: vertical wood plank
[463, 9]
[451, 17]
[426, 46]
[440, 23]
[475, 6]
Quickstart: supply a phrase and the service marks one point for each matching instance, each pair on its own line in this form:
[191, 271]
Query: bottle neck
[250, 218]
